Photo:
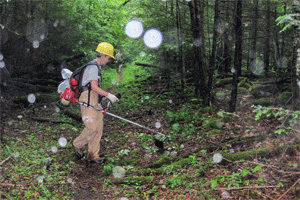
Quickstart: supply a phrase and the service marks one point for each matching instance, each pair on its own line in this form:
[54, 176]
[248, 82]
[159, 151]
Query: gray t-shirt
[90, 73]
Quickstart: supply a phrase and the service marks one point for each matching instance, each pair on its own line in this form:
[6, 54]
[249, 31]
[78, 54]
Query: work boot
[99, 160]
[78, 153]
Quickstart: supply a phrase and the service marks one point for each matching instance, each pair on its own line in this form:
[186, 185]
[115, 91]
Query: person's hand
[112, 98]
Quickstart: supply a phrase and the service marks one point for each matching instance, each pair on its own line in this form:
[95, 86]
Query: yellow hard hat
[106, 49]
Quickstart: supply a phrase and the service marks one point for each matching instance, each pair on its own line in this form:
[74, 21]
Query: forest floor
[258, 154]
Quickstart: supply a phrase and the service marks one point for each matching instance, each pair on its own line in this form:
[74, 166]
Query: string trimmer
[158, 141]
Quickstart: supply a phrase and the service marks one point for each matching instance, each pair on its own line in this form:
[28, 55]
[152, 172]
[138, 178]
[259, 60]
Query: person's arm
[95, 88]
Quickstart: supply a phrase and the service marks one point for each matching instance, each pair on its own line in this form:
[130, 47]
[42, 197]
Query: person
[93, 119]
[118, 60]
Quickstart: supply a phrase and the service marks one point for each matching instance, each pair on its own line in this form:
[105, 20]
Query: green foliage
[235, 179]
[289, 20]
[263, 102]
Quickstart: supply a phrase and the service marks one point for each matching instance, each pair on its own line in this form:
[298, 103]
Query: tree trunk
[213, 56]
[296, 61]
[267, 40]
[237, 55]
[199, 72]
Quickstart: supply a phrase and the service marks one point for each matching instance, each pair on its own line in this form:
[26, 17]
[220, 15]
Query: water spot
[173, 154]
[225, 195]
[153, 38]
[3, 36]
[35, 44]
[62, 142]
[113, 81]
[80, 26]
[45, 106]
[40, 179]
[56, 23]
[197, 42]
[1, 56]
[217, 158]
[69, 180]
[118, 172]
[157, 125]
[31, 98]
[57, 109]
[134, 29]
[221, 26]
[257, 66]
[15, 154]
[36, 30]
[54, 149]
[142, 54]
[233, 70]
[170, 101]
[133, 143]
[4, 84]
[229, 37]
[282, 62]
[124, 198]
[80, 42]
[147, 97]
[2, 64]
[87, 119]
[20, 116]
[252, 54]
[246, 25]
[50, 67]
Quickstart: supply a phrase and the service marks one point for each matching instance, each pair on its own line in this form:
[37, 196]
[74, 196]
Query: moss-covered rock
[285, 98]
[263, 102]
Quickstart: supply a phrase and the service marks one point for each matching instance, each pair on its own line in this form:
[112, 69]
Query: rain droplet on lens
[282, 62]
[54, 149]
[142, 54]
[170, 101]
[257, 66]
[36, 44]
[69, 180]
[40, 179]
[31, 98]
[62, 142]
[2, 64]
[57, 109]
[157, 125]
[134, 29]
[153, 38]
[225, 195]
[118, 172]
[1, 56]
[217, 158]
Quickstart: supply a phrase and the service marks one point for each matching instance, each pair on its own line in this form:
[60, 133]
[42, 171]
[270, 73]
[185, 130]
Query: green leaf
[260, 180]
[213, 184]
[257, 168]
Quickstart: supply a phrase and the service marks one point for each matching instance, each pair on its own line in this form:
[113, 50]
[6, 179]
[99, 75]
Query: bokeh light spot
[118, 172]
[134, 29]
[217, 158]
[31, 98]
[153, 38]
[62, 142]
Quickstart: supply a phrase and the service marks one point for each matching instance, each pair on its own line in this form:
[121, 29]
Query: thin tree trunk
[267, 40]
[213, 56]
[296, 62]
[237, 55]
[253, 52]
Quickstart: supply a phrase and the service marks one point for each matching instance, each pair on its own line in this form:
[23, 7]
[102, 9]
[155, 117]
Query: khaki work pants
[93, 121]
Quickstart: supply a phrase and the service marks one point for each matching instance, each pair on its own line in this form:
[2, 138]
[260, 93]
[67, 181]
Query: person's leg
[94, 144]
[90, 120]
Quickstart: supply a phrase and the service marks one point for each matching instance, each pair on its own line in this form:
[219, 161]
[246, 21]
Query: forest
[208, 108]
